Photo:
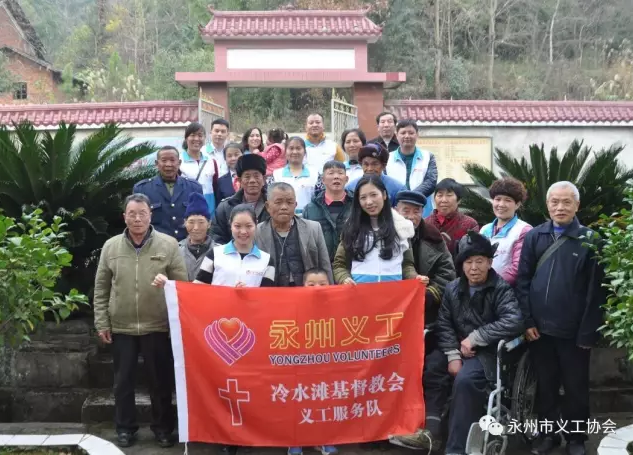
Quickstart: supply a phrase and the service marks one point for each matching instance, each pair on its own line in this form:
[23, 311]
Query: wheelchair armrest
[514, 343]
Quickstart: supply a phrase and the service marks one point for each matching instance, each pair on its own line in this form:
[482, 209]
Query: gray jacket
[193, 264]
[313, 248]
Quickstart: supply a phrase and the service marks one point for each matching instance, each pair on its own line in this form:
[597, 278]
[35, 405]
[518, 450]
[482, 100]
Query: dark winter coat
[490, 315]
[317, 211]
[432, 259]
[564, 297]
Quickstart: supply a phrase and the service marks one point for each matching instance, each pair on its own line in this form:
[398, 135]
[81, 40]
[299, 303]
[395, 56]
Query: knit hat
[250, 162]
[197, 206]
[374, 151]
[473, 244]
[411, 197]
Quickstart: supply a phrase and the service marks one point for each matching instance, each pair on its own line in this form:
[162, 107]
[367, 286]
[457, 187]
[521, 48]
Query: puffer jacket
[124, 299]
[275, 157]
[490, 315]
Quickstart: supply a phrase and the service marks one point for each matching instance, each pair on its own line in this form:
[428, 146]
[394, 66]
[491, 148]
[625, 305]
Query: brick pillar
[368, 97]
[218, 92]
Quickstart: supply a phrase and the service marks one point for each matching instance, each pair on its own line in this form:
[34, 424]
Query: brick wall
[10, 34]
[41, 87]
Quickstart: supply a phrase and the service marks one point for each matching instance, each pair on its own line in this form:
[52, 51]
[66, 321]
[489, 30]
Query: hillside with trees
[460, 49]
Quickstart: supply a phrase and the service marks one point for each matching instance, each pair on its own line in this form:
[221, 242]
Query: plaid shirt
[453, 227]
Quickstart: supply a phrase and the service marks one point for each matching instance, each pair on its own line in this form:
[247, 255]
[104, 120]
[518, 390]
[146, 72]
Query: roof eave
[209, 38]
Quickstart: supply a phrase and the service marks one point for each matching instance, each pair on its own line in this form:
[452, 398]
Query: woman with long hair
[375, 242]
[253, 141]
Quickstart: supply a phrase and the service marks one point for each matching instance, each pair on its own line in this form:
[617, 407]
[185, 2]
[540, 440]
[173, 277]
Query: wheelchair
[510, 403]
[511, 399]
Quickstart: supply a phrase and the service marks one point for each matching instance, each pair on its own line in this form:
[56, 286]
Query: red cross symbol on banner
[234, 396]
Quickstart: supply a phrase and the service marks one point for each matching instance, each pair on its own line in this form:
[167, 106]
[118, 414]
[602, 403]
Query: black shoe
[165, 440]
[125, 439]
[575, 448]
[545, 445]
[227, 450]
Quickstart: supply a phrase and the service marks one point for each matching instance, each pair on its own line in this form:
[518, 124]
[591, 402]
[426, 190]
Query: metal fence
[344, 116]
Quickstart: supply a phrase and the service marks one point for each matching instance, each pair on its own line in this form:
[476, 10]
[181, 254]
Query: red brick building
[36, 79]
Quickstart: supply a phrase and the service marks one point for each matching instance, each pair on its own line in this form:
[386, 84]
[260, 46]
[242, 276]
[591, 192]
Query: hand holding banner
[297, 366]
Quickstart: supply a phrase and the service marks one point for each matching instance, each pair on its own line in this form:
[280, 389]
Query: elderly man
[559, 289]
[431, 255]
[319, 149]
[297, 245]
[373, 158]
[131, 315]
[386, 122]
[251, 171]
[477, 311]
[168, 193]
[331, 208]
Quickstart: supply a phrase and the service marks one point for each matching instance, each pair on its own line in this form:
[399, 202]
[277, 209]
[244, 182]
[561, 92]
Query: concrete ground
[145, 444]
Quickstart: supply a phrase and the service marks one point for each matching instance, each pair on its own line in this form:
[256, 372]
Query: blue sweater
[393, 187]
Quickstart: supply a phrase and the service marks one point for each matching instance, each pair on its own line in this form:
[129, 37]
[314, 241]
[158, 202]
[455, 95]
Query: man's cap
[411, 197]
[250, 162]
[374, 151]
[474, 244]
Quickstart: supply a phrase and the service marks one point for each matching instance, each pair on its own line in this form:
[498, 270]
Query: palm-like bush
[600, 178]
[84, 183]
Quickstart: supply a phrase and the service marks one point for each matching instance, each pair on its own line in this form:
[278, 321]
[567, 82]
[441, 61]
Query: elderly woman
[198, 241]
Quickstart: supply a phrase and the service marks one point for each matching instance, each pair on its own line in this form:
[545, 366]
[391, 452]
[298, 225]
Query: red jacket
[275, 157]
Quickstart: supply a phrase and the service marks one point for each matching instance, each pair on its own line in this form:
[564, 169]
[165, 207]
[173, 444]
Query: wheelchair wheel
[524, 395]
[495, 447]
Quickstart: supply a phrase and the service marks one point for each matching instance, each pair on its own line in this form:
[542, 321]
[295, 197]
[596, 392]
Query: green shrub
[31, 262]
[616, 256]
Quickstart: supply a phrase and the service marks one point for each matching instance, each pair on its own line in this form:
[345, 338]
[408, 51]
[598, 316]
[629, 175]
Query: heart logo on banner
[230, 339]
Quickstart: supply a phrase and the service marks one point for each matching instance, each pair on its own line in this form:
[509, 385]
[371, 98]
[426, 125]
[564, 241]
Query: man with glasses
[131, 315]
[168, 194]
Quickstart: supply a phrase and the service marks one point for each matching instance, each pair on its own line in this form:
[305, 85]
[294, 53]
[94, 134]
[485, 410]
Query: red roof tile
[431, 112]
[154, 112]
[291, 23]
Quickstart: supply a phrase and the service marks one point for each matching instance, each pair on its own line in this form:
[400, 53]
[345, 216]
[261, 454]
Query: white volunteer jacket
[229, 267]
[398, 170]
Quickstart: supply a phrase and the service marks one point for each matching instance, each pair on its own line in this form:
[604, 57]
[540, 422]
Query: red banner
[297, 366]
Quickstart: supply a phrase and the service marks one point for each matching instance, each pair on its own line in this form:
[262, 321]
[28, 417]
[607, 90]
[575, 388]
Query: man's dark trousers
[159, 366]
[470, 392]
[436, 384]
[560, 361]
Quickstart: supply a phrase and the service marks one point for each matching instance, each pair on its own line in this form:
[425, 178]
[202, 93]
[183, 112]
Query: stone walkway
[145, 444]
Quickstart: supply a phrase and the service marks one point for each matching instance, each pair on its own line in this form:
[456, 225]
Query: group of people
[346, 215]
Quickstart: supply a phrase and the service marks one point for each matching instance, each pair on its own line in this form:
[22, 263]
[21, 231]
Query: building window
[19, 91]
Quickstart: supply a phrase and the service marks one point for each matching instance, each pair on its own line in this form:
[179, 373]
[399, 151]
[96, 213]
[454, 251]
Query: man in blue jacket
[559, 287]
[373, 159]
[168, 193]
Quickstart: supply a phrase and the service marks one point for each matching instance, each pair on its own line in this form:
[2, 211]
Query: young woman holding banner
[239, 263]
[375, 242]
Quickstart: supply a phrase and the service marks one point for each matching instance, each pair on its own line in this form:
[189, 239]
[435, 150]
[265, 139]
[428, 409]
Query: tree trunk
[450, 31]
[438, 52]
[581, 47]
[491, 39]
[551, 33]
